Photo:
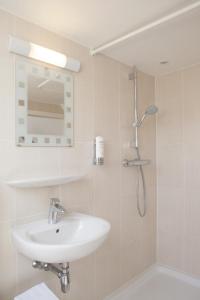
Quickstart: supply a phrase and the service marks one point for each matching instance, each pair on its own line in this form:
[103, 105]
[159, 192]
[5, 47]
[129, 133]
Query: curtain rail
[153, 24]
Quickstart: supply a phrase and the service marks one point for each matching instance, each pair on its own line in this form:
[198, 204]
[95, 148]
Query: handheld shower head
[151, 110]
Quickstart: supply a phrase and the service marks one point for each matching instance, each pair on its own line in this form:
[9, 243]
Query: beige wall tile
[170, 250]
[131, 261]
[106, 89]
[129, 220]
[126, 97]
[27, 276]
[171, 208]
[170, 117]
[83, 280]
[84, 100]
[78, 196]
[76, 160]
[8, 263]
[107, 266]
[49, 161]
[178, 170]
[192, 165]
[25, 162]
[170, 165]
[30, 202]
[192, 260]
[146, 91]
[6, 79]
[7, 203]
[191, 94]
[192, 212]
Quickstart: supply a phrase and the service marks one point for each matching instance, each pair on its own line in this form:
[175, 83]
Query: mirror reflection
[45, 106]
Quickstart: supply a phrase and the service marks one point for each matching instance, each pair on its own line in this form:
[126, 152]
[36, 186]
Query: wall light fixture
[46, 55]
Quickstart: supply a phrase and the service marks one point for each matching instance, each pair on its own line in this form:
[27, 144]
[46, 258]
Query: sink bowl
[74, 237]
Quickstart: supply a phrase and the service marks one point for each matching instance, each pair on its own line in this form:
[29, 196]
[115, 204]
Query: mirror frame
[24, 67]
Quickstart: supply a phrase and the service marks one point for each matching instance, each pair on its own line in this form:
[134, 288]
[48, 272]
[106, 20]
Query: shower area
[175, 275]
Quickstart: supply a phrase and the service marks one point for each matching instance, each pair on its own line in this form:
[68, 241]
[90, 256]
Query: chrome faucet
[55, 211]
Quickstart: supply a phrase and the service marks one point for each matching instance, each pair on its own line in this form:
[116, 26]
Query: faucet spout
[56, 211]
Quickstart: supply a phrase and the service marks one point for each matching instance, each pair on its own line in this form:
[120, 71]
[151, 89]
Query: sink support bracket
[60, 270]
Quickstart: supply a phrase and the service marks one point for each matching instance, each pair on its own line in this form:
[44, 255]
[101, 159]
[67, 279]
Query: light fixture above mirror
[34, 51]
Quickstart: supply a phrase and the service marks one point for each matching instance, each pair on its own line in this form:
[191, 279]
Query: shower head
[151, 110]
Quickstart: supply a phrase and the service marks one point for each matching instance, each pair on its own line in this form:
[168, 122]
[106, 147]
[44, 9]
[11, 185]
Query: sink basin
[74, 237]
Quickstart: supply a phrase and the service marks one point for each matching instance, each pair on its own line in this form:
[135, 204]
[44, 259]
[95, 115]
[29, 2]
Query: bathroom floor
[161, 286]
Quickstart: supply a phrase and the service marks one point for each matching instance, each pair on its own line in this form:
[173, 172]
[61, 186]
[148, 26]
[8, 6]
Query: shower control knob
[125, 163]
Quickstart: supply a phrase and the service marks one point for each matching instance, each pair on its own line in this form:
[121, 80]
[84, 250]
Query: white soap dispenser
[99, 150]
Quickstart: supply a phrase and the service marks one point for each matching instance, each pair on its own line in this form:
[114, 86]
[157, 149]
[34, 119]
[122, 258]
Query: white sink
[74, 237]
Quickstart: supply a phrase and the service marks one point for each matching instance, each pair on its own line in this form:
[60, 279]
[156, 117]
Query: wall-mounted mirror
[44, 106]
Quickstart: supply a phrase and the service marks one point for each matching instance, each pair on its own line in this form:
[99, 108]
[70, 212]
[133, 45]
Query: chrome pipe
[62, 273]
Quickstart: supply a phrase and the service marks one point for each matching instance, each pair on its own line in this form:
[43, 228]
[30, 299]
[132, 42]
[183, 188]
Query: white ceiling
[94, 22]
[177, 42]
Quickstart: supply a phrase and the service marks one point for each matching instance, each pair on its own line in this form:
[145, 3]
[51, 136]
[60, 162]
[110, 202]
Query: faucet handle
[54, 201]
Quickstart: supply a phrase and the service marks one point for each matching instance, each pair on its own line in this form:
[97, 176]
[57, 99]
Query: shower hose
[140, 175]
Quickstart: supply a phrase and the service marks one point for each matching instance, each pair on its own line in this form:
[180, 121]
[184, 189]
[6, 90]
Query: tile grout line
[120, 186]
[156, 162]
[184, 234]
[93, 181]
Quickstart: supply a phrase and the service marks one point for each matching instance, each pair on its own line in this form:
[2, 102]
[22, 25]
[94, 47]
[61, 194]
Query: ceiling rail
[142, 29]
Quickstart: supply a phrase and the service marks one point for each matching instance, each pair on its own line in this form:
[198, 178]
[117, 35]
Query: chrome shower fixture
[151, 110]
[138, 162]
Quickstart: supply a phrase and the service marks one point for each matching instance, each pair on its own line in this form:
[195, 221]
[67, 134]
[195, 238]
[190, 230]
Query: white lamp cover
[46, 55]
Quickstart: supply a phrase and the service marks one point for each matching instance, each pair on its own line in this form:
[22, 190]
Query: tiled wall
[103, 106]
[178, 165]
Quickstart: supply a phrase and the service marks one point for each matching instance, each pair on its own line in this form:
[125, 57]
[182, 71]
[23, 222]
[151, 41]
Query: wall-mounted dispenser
[98, 151]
